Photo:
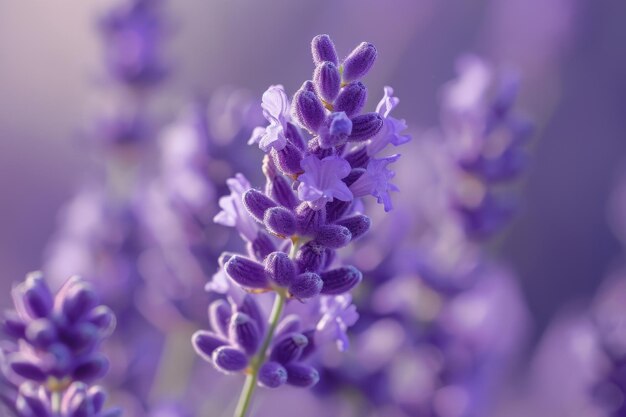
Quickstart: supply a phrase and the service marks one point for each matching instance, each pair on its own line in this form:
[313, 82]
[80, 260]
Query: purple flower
[376, 181]
[276, 110]
[338, 313]
[392, 127]
[233, 212]
[321, 181]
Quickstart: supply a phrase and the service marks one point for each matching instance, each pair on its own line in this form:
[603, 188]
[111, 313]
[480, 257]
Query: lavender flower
[293, 238]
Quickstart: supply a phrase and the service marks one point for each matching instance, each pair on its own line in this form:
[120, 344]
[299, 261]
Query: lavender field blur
[491, 284]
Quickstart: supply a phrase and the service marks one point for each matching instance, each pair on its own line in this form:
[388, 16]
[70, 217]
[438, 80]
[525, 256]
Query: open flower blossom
[391, 132]
[376, 181]
[233, 213]
[275, 104]
[321, 182]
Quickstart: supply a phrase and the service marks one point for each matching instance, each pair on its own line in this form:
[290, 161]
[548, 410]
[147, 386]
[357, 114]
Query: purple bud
[30, 403]
[280, 190]
[272, 375]
[301, 375]
[358, 225]
[323, 49]
[103, 318]
[246, 272]
[354, 175]
[280, 221]
[25, 368]
[257, 203]
[97, 396]
[314, 147]
[288, 159]
[36, 295]
[13, 325]
[261, 246]
[310, 257]
[338, 131]
[289, 348]
[41, 333]
[340, 280]
[306, 285]
[219, 317]
[308, 110]
[289, 324]
[228, 359]
[310, 347]
[245, 333]
[92, 367]
[359, 62]
[336, 209]
[205, 343]
[333, 236]
[280, 269]
[327, 81]
[351, 99]
[293, 133]
[329, 257]
[358, 158]
[309, 220]
[78, 300]
[250, 307]
[365, 126]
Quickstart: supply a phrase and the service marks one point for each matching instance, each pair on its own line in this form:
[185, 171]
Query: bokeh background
[569, 53]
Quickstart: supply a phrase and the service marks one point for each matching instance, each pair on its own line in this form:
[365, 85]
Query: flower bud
[257, 203]
[358, 158]
[261, 246]
[358, 225]
[337, 132]
[246, 272]
[351, 99]
[340, 280]
[314, 147]
[13, 325]
[280, 269]
[308, 221]
[31, 403]
[365, 126]
[228, 359]
[205, 343]
[219, 316]
[288, 159]
[41, 333]
[337, 209]
[280, 221]
[36, 295]
[306, 285]
[323, 49]
[103, 318]
[333, 236]
[327, 81]
[245, 333]
[358, 63]
[308, 110]
[289, 348]
[301, 375]
[272, 375]
[280, 190]
[293, 133]
[25, 368]
[93, 367]
[310, 257]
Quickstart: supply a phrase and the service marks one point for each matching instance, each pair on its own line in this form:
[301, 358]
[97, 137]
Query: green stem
[245, 399]
[248, 388]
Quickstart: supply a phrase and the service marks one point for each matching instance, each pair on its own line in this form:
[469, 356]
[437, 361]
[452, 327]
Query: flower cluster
[321, 157]
[53, 349]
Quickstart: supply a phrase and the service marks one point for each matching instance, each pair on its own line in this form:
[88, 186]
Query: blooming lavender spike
[301, 375]
[333, 236]
[365, 126]
[272, 375]
[245, 333]
[327, 81]
[257, 203]
[246, 272]
[351, 99]
[280, 221]
[289, 348]
[280, 268]
[306, 285]
[323, 49]
[205, 343]
[308, 110]
[228, 359]
[358, 63]
[340, 280]
[321, 181]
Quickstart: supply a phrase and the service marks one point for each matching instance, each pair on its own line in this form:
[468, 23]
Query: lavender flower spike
[321, 181]
[276, 110]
